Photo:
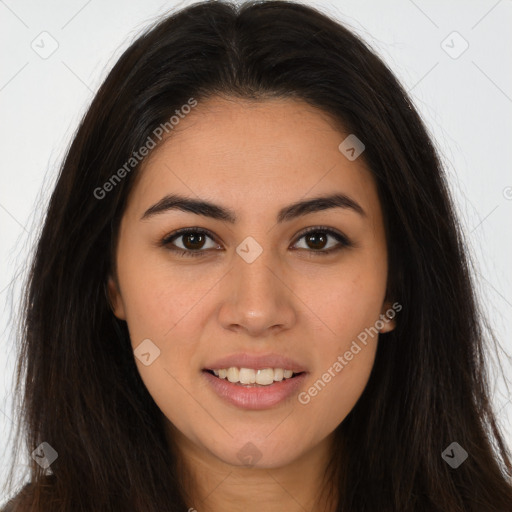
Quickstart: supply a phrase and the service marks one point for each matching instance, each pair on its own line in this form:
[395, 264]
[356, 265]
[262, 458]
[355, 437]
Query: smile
[263, 377]
[252, 395]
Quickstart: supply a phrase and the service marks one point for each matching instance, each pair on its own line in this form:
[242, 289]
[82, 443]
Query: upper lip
[256, 361]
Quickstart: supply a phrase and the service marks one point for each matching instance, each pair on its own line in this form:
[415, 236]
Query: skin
[254, 158]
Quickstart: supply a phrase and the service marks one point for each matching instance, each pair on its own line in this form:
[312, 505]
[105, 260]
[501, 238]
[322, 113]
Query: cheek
[347, 307]
[166, 306]
[160, 297]
[344, 358]
[173, 320]
[346, 302]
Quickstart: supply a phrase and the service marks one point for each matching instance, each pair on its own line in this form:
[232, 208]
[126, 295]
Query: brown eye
[192, 242]
[317, 238]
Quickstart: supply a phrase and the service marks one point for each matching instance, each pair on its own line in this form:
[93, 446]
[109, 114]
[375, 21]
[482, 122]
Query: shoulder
[15, 503]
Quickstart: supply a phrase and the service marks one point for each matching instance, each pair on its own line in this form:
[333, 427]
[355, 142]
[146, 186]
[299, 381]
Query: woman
[251, 291]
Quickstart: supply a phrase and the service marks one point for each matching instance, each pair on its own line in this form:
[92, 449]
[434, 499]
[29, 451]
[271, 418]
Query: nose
[257, 298]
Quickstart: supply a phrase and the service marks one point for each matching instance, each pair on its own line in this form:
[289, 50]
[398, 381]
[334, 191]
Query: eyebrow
[214, 211]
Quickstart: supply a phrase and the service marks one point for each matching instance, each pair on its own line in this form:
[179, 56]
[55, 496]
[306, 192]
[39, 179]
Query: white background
[465, 101]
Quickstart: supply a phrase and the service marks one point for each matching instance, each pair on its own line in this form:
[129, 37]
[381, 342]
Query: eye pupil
[316, 237]
[193, 236]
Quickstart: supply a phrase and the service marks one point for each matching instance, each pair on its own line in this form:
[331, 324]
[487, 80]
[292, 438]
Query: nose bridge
[255, 269]
[257, 298]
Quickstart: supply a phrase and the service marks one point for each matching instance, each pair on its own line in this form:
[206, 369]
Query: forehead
[254, 153]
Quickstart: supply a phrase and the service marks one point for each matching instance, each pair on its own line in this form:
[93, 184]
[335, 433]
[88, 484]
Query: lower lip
[257, 397]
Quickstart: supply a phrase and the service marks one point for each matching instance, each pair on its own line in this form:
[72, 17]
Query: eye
[193, 241]
[316, 239]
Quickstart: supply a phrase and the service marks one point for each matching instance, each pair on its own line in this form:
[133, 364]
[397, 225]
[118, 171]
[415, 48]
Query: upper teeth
[250, 376]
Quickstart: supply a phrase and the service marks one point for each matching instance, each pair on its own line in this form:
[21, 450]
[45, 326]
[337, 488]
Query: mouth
[270, 388]
[251, 377]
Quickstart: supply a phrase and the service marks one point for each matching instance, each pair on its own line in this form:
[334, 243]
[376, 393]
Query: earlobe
[387, 321]
[114, 299]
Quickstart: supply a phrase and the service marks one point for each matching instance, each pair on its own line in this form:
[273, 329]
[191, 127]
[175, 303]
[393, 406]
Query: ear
[388, 316]
[115, 299]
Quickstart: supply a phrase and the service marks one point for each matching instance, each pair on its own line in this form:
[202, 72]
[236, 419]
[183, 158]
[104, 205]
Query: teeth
[248, 376]
[278, 374]
[233, 374]
[263, 377]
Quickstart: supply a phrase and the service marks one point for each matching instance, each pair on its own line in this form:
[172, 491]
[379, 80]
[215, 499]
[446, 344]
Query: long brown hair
[77, 383]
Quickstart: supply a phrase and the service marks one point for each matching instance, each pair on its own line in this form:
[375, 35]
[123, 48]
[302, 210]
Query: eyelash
[344, 242]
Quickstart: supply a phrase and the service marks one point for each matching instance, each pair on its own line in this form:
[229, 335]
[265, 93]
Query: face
[251, 288]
